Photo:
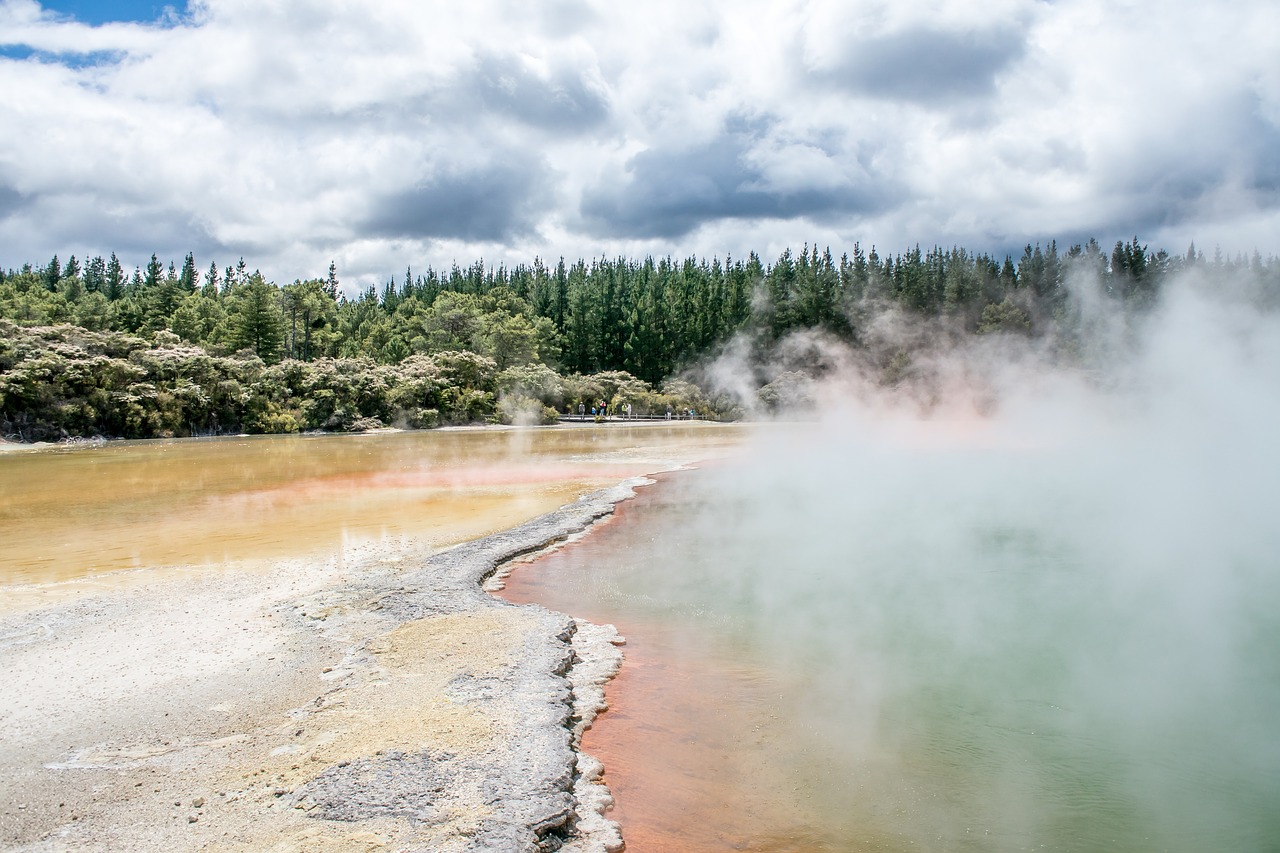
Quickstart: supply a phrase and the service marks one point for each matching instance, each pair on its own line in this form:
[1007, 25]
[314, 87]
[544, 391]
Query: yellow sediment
[132, 695]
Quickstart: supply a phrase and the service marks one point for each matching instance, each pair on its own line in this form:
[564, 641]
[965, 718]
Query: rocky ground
[383, 704]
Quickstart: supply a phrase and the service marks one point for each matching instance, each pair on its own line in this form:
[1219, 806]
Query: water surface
[937, 642]
[129, 505]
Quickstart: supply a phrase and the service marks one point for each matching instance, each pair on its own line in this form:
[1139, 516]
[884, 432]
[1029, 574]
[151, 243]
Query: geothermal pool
[1054, 626]
[941, 636]
[194, 635]
[141, 505]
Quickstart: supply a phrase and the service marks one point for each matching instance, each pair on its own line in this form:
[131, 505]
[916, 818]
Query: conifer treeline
[647, 318]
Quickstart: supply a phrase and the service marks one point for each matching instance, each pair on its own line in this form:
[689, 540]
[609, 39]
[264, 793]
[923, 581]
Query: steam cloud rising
[1033, 603]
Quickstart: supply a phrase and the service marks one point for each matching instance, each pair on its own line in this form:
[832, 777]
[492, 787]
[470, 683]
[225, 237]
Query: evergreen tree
[95, 275]
[162, 297]
[560, 308]
[332, 282]
[1129, 274]
[188, 278]
[52, 273]
[210, 288]
[257, 322]
[154, 274]
[1008, 274]
[390, 297]
[777, 310]
[114, 286]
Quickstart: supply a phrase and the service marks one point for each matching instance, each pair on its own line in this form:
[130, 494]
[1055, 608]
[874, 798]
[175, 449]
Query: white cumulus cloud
[380, 135]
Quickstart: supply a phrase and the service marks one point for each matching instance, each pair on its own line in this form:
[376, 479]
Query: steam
[1033, 583]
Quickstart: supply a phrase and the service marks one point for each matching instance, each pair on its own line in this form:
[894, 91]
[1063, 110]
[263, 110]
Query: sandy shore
[386, 703]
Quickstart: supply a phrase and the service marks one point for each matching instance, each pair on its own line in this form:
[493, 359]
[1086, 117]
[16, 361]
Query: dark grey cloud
[926, 65]
[1261, 150]
[494, 202]
[671, 192]
[497, 90]
[491, 93]
[1171, 180]
[566, 99]
[86, 223]
[11, 202]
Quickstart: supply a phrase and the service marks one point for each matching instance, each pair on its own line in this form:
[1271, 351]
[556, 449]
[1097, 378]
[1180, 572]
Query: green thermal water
[950, 648]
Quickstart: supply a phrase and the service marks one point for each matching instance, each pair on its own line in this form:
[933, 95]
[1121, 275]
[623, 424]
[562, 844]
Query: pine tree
[561, 298]
[331, 284]
[390, 296]
[154, 273]
[95, 275]
[210, 288]
[188, 278]
[115, 279]
[52, 273]
[258, 323]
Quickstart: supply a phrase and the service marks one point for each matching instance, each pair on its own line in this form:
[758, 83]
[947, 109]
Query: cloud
[23, 23]
[405, 132]
[561, 98]
[926, 65]
[11, 202]
[490, 203]
[738, 174]
[132, 229]
[560, 17]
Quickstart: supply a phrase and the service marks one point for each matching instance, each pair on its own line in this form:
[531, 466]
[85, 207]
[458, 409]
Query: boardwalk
[623, 419]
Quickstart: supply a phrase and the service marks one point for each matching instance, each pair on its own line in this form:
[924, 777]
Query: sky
[383, 135]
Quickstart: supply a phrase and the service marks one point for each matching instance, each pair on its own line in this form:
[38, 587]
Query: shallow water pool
[940, 646]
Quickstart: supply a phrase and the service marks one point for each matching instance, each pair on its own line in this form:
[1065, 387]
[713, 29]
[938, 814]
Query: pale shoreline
[9, 446]
[338, 707]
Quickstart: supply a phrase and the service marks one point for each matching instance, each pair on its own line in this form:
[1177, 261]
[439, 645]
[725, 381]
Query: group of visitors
[600, 409]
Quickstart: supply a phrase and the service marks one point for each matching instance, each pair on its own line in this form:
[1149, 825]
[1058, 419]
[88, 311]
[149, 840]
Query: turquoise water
[960, 644]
